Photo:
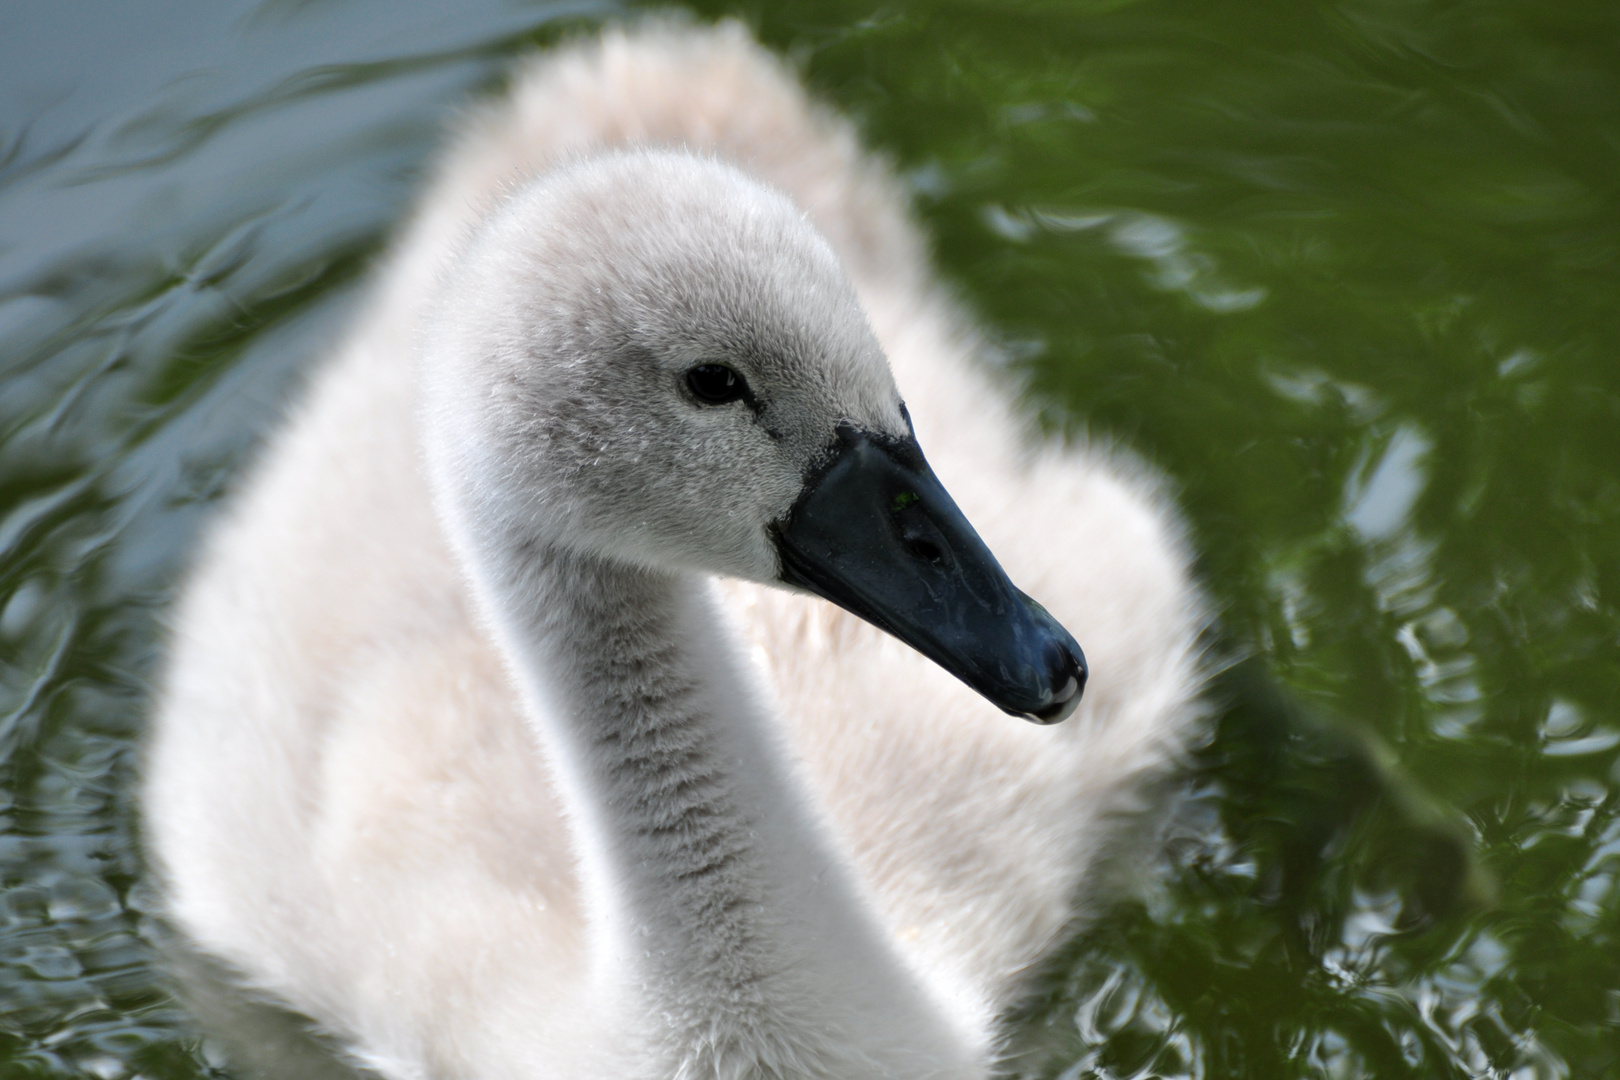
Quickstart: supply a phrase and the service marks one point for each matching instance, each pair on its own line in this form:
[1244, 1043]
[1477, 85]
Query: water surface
[1348, 273]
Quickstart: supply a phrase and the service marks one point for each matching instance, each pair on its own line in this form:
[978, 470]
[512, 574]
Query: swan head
[652, 358]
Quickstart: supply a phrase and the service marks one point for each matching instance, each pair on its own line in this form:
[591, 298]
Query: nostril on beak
[926, 550]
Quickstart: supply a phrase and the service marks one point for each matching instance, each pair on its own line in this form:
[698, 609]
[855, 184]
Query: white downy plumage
[463, 750]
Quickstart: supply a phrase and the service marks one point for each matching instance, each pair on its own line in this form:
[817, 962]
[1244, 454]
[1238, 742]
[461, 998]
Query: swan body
[489, 739]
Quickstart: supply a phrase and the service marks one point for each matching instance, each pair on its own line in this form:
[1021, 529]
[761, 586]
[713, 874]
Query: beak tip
[1069, 678]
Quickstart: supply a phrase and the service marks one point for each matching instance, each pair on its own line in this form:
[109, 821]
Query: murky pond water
[1348, 273]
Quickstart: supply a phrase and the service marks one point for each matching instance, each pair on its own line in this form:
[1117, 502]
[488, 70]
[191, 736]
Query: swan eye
[716, 384]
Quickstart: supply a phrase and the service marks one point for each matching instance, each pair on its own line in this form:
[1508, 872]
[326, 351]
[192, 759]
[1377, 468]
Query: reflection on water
[1380, 500]
[1346, 272]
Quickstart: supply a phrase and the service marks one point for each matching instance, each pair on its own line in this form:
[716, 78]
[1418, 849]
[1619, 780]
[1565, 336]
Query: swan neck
[635, 696]
[714, 902]
[640, 727]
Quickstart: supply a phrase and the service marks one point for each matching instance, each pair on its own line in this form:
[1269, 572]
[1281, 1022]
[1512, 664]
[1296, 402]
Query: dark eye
[716, 383]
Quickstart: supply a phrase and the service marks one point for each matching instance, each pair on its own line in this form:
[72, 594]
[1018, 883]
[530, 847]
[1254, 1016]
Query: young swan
[647, 367]
[473, 765]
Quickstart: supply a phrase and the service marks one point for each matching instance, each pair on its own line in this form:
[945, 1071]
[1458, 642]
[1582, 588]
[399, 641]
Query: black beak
[877, 534]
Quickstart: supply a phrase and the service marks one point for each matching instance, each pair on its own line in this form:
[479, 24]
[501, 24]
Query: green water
[1348, 273]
